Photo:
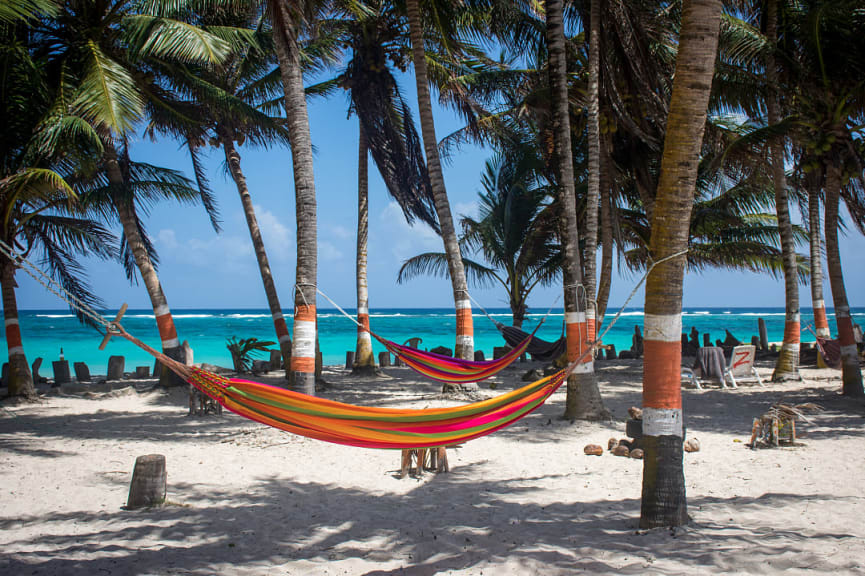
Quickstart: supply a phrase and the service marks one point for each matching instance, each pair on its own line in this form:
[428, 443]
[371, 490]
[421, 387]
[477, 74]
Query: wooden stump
[384, 359]
[148, 484]
[764, 338]
[349, 359]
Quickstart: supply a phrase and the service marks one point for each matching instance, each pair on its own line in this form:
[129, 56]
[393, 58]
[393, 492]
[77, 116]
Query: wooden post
[764, 338]
[116, 364]
[349, 359]
[707, 340]
[384, 359]
[61, 372]
[148, 484]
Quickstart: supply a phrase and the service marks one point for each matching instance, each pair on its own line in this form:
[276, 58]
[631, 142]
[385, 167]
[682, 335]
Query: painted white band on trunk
[824, 333]
[284, 337]
[170, 343]
[304, 339]
[586, 368]
[575, 317]
[590, 314]
[278, 316]
[161, 310]
[11, 321]
[818, 304]
[463, 304]
[662, 422]
[364, 336]
[842, 312]
[849, 351]
[16, 351]
[463, 340]
[794, 317]
[362, 310]
[663, 327]
[791, 346]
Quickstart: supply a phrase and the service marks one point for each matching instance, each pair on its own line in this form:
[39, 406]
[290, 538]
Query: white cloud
[276, 235]
[403, 240]
[469, 209]
[327, 251]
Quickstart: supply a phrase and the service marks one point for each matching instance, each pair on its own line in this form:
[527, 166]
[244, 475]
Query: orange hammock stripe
[373, 427]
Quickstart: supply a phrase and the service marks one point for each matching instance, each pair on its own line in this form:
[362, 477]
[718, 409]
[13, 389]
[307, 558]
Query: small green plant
[244, 350]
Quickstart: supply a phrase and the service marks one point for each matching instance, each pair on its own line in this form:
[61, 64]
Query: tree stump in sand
[148, 484]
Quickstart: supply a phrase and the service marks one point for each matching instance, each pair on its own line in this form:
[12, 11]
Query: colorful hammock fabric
[373, 427]
[453, 370]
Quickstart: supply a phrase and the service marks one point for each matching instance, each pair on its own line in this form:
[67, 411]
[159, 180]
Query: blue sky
[200, 269]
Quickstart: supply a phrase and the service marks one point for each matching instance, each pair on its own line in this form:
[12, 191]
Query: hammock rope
[337, 422]
[445, 368]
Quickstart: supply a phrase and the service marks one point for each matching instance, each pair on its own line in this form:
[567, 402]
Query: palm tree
[465, 332]
[814, 183]
[583, 397]
[228, 104]
[828, 51]
[514, 234]
[99, 51]
[786, 366]
[41, 217]
[663, 496]
[374, 34]
[593, 177]
[286, 19]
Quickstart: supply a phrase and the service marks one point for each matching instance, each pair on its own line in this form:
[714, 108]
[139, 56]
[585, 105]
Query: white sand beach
[245, 499]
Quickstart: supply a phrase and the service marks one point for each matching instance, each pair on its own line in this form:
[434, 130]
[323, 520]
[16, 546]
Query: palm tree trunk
[583, 399]
[821, 323]
[232, 158]
[20, 382]
[465, 329]
[787, 365]
[663, 497]
[851, 374]
[594, 175]
[364, 359]
[606, 278]
[129, 222]
[303, 346]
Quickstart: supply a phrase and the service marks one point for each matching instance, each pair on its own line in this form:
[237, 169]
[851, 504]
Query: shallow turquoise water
[45, 331]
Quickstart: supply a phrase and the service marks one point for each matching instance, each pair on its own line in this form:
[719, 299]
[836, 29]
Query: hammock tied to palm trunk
[337, 422]
[445, 368]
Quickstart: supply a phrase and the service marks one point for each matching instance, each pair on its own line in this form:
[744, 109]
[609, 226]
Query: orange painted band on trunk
[306, 313]
[591, 329]
[820, 320]
[662, 374]
[13, 336]
[845, 330]
[465, 326]
[302, 364]
[165, 323]
[364, 321]
[281, 327]
[576, 333]
[791, 332]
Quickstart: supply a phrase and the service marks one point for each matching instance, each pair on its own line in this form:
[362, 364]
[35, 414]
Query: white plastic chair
[742, 365]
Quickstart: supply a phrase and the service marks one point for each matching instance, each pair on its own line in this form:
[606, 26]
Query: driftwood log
[148, 484]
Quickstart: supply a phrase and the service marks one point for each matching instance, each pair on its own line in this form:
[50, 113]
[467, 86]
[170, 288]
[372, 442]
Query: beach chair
[709, 366]
[742, 365]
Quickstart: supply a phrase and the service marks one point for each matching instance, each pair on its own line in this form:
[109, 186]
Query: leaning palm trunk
[303, 353]
[232, 158]
[583, 399]
[821, 323]
[594, 175]
[129, 222]
[364, 359]
[606, 277]
[20, 382]
[663, 497]
[851, 374]
[787, 365]
[465, 330]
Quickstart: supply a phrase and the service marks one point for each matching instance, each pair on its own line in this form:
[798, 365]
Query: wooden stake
[108, 333]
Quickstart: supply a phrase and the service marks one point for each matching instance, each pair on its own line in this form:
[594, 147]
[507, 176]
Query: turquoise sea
[45, 332]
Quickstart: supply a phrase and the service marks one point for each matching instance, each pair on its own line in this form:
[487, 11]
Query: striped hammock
[453, 370]
[371, 427]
